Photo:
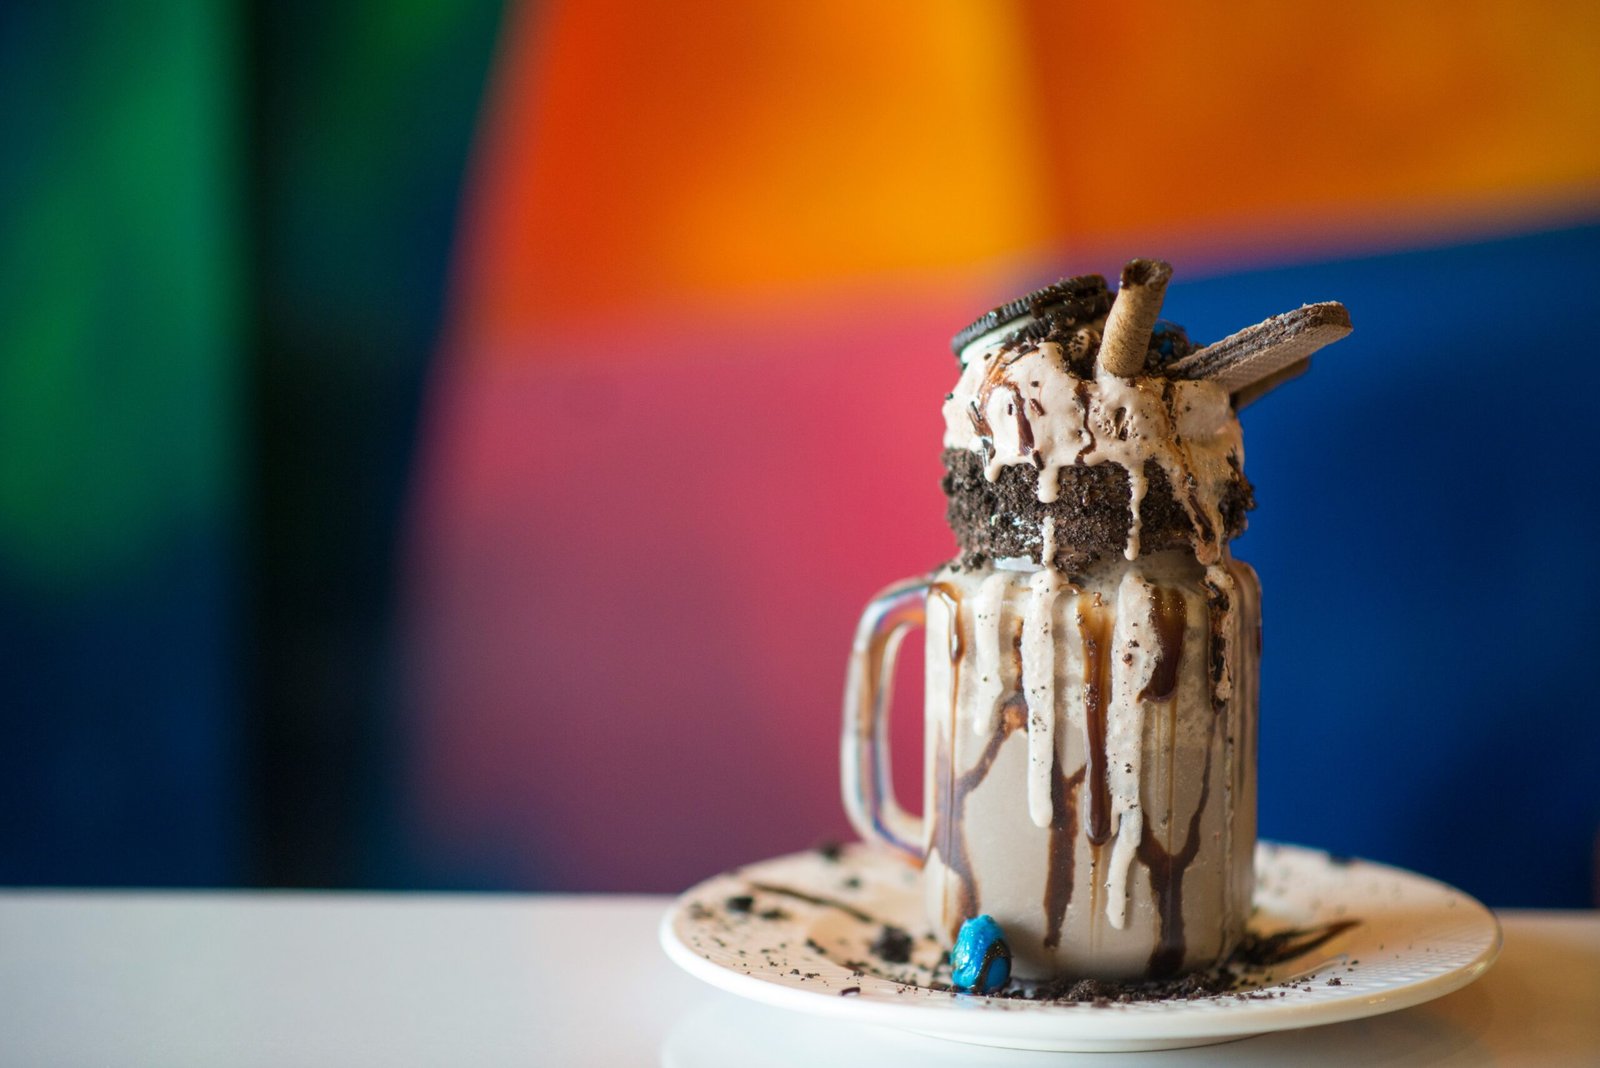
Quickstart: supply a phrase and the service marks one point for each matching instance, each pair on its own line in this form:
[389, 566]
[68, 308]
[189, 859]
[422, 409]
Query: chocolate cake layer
[1000, 519]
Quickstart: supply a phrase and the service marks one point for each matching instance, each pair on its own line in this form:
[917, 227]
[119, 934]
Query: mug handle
[864, 747]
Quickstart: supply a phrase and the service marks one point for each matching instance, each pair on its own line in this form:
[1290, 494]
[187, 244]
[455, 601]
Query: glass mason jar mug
[1089, 757]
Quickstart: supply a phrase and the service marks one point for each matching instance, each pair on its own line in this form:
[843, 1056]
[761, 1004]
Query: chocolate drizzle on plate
[814, 899]
[884, 951]
[1268, 950]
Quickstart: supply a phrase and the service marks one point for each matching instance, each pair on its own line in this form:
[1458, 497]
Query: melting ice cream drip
[988, 685]
[1039, 673]
[1187, 427]
[1134, 644]
[1138, 486]
[1138, 649]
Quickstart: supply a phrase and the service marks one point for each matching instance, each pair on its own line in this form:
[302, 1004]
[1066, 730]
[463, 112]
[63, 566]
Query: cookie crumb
[893, 945]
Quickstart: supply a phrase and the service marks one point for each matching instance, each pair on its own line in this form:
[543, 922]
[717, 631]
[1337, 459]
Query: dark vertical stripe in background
[361, 119]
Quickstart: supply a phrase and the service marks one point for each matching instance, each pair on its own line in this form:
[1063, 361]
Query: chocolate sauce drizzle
[1094, 627]
[943, 835]
[948, 835]
[1171, 620]
[1166, 883]
[980, 426]
[1024, 428]
[1262, 951]
[1063, 834]
[950, 802]
[952, 602]
[1081, 391]
[1218, 605]
[994, 378]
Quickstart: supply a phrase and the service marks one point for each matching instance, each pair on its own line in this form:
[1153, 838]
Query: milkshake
[1092, 652]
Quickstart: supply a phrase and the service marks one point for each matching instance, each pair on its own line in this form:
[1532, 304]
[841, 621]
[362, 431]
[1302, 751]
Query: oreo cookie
[1055, 311]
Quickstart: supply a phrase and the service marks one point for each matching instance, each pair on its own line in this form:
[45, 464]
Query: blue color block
[1425, 536]
[123, 760]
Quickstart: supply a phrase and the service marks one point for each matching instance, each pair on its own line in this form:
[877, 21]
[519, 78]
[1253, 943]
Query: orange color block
[639, 157]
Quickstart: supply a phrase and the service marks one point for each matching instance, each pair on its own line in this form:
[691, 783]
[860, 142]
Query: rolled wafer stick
[1133, 316]
[1259, 352]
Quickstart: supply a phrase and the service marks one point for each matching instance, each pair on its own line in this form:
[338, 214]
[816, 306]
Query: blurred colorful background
[448, 444]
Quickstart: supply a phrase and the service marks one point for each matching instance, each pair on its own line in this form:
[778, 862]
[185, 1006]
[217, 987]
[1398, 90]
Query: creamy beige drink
[1092, 653]
[1091, 791]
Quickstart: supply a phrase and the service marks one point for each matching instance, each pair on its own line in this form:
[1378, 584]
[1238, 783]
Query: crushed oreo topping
[1169, 343]
[1092, 511]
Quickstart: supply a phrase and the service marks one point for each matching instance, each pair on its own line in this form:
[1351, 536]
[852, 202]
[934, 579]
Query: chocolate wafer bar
[1261, 351]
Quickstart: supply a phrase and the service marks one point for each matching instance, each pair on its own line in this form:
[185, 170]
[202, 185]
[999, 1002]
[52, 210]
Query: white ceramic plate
[1416, 940]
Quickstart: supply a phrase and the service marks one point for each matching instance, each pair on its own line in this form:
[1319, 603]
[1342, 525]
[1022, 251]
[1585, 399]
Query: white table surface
[122, 978]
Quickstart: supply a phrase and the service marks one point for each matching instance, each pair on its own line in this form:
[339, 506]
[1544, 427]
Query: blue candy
[981, 960]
